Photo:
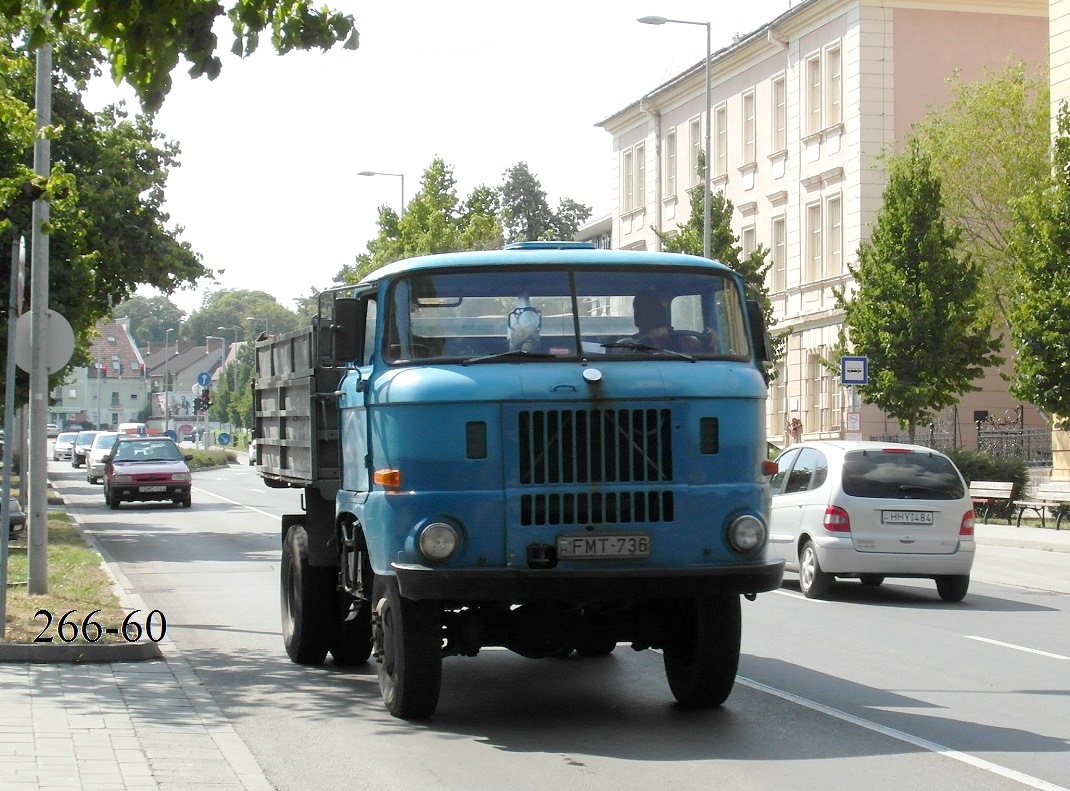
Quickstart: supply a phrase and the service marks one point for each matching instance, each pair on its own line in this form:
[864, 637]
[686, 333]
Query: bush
[976, 466]
[204, 459]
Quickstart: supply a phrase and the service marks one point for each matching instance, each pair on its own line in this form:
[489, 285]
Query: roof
[114, 348]
[542, 257]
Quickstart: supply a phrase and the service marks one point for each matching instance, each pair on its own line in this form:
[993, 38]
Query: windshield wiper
[646, 347]
[513, 353]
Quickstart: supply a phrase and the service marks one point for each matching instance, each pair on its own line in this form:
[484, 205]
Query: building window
[833, 86]
[696, 148]
[812, 73]
[813, 242]
[748, 241]
[778, 271]
[633, 176]
[749, 154]
[670, 164]
[833, 264]
[720, 144]
[115, 399]
[780, 114]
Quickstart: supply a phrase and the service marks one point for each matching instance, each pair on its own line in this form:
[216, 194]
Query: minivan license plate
[907, 517]
[603, 545]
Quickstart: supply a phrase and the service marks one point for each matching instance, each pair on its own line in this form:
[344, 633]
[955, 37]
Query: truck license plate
[907, 517]
[152, 489]
[603, 545]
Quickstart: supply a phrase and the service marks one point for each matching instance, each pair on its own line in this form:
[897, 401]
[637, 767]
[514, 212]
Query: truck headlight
[746, 534]
[438, 541]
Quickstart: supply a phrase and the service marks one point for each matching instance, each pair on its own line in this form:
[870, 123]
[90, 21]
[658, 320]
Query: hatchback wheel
[813, 582]
[872, 580]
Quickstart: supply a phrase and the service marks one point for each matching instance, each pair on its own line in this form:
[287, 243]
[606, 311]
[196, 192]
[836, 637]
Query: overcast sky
[268, 191]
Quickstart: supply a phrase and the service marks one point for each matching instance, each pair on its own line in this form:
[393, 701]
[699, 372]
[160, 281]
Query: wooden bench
[989, 493]
[1052, 498]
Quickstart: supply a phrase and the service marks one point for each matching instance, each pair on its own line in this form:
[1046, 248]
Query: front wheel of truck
[308, 600]
[702, 653]
[408, 648]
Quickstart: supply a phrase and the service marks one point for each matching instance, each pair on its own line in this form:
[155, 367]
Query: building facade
[801, 112]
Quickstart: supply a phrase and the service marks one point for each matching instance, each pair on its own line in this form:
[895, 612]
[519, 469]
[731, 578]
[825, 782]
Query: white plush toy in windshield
[525, 324]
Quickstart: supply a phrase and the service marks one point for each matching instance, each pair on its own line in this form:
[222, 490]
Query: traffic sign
[854, 370]
[58, 343]
[204, 379]
[222, 438]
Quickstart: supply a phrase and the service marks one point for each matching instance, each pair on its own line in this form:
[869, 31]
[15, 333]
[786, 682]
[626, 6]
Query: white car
[871, 510]
[252, 453]
[94, 459]
[64, 444]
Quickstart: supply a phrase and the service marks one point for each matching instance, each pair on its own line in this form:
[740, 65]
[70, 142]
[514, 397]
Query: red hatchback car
[146, 468]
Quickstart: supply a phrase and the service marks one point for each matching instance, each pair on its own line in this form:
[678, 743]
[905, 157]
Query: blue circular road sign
[222, 438]
[204, 379]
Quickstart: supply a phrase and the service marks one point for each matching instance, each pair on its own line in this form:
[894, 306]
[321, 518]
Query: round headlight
[746, 534]
[438, 541]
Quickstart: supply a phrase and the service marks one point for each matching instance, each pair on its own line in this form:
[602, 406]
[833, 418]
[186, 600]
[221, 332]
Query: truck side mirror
[347, 329]
[759, 332]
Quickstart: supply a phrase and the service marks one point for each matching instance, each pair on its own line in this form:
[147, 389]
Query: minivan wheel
[872, 580]
[813, 582]
[953, 587]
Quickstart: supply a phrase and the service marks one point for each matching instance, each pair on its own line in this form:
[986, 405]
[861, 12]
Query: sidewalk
[133, 726]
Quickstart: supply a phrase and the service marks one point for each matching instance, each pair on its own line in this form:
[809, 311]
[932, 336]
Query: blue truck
[500, 449]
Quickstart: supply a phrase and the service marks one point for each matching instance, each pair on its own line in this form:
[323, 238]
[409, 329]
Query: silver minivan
[871, 510]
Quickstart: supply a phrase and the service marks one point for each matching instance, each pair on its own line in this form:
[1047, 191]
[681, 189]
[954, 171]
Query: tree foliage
[150, 318]
[916, 310]
[241, 313]
[525, 211]
[144, 41]
[988, 147]
[1040, 310]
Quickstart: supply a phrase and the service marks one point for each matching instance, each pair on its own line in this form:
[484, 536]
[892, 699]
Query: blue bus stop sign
[222, 438]
[854, 371]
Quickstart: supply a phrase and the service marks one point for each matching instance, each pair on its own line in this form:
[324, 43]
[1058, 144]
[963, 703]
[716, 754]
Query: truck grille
[595, 446]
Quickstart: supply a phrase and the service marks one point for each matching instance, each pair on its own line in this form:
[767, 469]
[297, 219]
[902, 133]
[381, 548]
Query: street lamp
[660, 20]
[397, 175]
[233, 381]
[257, 321]
[166, 377]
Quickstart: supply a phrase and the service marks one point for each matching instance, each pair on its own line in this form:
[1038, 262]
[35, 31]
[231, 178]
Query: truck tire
[408, 649]
[351, 642]
[308, 595]
[702, 653]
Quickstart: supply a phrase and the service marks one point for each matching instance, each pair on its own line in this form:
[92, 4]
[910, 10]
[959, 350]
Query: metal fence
[1032, 445]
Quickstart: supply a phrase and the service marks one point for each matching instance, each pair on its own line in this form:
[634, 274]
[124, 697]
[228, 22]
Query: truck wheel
[702, 654]
[351, 643]
[408, 648]
[596, 645]
[307, 601]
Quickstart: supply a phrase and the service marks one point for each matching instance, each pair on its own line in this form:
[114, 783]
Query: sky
[268, 192]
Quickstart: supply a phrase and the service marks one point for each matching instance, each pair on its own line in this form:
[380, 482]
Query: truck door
[355, 441]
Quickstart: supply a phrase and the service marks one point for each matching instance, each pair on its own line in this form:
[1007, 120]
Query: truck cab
[502, 449]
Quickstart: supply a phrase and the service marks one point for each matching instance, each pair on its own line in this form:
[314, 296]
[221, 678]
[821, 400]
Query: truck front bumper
[585, 585]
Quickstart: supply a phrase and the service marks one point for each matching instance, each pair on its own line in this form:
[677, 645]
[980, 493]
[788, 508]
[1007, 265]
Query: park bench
[989, 493]
[1052, 499]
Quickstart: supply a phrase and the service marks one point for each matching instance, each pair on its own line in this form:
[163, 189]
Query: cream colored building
[1059, 38]
[802, 110]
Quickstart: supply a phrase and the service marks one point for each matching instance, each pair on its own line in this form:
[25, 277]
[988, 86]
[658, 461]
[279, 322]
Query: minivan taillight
[836, 520]
[966, 528]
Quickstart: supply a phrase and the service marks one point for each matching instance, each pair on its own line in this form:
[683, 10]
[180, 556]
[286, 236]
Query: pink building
[801, 112]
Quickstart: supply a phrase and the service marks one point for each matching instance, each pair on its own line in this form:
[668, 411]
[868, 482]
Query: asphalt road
[885, 688]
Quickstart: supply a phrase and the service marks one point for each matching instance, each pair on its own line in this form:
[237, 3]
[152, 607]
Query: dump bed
[296, 423]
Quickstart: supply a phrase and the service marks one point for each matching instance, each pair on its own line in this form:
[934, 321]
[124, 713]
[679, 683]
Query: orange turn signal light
[391, 479]
[770, 468]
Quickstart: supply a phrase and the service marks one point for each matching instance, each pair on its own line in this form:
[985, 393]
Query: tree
[144, 41]
[150, 318]
[526, 213]
[1040, 311]
[988, 147]
[252, 311]
[916, 310]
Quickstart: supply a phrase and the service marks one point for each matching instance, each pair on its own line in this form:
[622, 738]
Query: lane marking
[793, 595]
[925, 744]
[235, 502]
[1017, 647]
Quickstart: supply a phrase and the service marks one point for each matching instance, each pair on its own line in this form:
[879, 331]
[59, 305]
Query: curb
[1040, 546]
[78, 653]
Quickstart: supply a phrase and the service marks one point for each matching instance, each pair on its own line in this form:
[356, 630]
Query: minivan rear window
[908, 476]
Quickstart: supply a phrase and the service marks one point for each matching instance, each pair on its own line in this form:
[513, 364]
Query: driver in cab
[650, 311]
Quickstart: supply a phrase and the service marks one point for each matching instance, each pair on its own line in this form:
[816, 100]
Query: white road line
[1017, 647]
[792, 594]
[235, 502]
[925, 744]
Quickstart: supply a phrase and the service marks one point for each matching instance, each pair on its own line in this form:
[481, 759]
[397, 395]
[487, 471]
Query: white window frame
[720, 141]
[633, 178]
[779, 127]
[748, 239]
[833, 85]
[778, 272]
[833, 258]
[695, 129]
[640, 176]
[811, 74]
[814, 247]
[670, 164]
[749, 129]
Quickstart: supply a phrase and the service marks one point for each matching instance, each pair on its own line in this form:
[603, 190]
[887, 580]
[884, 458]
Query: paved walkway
[128, 726]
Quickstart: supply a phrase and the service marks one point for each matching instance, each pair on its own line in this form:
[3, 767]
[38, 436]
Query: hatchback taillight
[966, 528]
[836, 520]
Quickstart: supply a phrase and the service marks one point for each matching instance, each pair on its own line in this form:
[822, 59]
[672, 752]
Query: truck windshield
[503, 315]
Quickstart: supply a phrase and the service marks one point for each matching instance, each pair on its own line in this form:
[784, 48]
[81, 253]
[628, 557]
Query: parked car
[252, 453]
[94, 460]
[871, 510]
[61, 448]
[18, 517]
[51, 430]
[146, 468]
[81, 447]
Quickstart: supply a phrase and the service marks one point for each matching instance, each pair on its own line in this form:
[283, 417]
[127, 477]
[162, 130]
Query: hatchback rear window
[909, 476]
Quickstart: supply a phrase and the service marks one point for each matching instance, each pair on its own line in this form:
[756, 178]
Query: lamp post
[236, 330]
[660, 20]
[166, 378]
[222, 362]
[397, 175]
[257, 322]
